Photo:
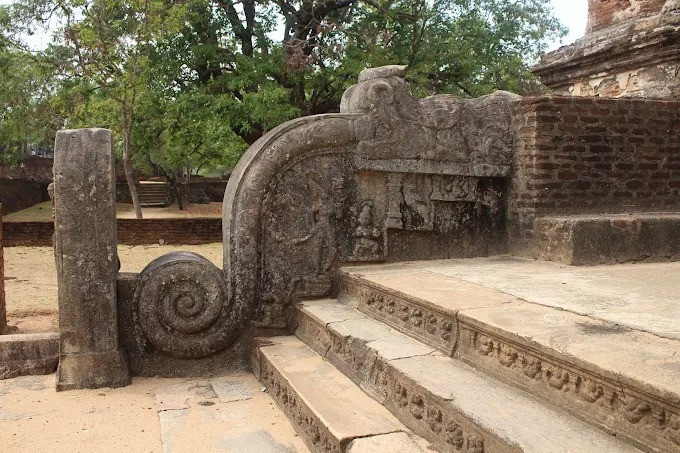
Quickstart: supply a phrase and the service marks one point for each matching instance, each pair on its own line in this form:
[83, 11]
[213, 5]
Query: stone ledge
[446, 401]
[328, 411]
[628, 45]
[608, 239]
[28, 354]
[561, 357]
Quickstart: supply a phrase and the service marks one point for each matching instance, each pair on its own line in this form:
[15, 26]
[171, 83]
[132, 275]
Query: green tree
[461, 47]
[105, 44]
[190, 84]
[26, 114]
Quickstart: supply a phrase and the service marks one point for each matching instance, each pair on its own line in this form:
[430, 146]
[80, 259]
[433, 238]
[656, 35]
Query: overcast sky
[572, 13]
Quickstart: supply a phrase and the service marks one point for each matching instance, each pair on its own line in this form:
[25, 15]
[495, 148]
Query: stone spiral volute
[183, 307]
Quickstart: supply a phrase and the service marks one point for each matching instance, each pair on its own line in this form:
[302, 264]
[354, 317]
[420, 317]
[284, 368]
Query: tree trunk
[175, 191]
[127, 161]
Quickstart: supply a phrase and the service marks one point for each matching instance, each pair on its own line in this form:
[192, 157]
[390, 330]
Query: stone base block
[92, 370]
[608, 239]
[28, 354]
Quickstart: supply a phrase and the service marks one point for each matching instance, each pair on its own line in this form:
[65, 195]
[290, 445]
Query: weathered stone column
[85, 252]
[3, 308]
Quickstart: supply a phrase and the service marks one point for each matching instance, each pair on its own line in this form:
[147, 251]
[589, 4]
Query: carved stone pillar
[85, 252]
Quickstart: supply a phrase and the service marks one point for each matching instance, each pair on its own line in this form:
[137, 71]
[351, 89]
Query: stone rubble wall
[587, 155]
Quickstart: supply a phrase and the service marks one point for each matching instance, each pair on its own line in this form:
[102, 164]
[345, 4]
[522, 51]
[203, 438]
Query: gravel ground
[31, 279]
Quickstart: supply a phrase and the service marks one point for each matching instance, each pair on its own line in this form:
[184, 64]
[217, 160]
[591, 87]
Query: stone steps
[446, 401]
[328, 410]
[624, 380]
[608, 238]
[153, 193]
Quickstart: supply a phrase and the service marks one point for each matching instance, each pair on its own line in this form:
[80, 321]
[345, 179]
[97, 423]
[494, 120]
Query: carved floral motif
[304, 420]
[431, 327]
[634, 415]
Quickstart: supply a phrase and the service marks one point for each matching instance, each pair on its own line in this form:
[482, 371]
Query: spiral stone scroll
[183, 307]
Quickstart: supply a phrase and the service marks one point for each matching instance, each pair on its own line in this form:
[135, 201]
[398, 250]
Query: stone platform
[608, 238]
[602, 343]
[635, 297]
[486, 355]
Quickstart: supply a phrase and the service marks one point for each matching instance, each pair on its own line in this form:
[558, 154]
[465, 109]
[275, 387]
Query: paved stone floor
[644, 297]
[223, 414]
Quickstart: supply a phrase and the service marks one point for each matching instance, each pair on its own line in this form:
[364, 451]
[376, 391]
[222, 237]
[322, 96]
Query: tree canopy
[187, 86]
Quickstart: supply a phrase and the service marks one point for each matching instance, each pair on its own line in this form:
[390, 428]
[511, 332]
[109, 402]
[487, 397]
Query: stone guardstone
[86, 258]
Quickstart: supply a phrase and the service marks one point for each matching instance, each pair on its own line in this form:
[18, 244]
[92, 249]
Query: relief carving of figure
[367, 236]
[320, 236]
[417, 207]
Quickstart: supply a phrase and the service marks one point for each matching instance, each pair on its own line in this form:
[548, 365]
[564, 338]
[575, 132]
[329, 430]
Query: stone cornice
[631, 45]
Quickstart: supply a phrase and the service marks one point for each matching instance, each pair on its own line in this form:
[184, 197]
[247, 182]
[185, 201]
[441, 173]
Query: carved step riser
[312, 430]
[433, 327]
[649, 422]
[424, 413]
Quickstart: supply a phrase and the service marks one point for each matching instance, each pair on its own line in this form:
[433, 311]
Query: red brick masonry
[594, 155]
[130, 231]
[603, 13]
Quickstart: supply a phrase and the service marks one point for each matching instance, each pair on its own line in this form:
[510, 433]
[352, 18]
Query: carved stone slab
[441, 399]
[85, 252]
[609, 374]
[389, 178]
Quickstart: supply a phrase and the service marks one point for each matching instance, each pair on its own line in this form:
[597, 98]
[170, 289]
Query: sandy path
[31, 279]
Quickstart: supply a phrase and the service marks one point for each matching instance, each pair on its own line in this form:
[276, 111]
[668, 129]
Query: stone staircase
[422, 353]
[153, 193]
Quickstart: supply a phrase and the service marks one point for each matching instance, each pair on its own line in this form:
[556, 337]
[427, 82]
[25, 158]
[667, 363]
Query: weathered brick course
[603, 156]
[130, 232]
[604, 13]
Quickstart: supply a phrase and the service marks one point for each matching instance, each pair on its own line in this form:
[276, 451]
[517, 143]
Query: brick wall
[32, 168]
[3, 311]
[604, 13]
[593, 155]
[16, 195]
[130, 231]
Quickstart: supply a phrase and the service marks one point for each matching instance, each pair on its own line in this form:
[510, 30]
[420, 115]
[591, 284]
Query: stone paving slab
[641, 296]
[226, 414]
[222, 414]
[388, 443]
